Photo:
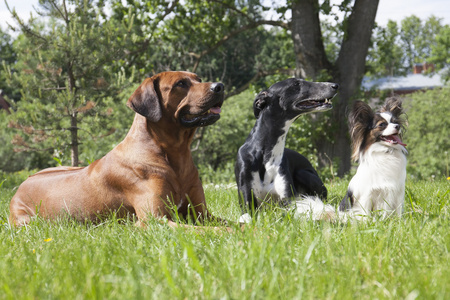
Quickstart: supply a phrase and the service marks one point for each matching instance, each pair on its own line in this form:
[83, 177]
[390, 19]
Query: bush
[220, 142]
[13, 180]
[427, 135]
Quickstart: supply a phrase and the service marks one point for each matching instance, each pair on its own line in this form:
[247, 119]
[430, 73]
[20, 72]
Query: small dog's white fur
[379, 183]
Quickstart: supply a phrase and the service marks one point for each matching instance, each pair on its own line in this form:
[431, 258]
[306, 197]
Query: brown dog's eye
[181, 83]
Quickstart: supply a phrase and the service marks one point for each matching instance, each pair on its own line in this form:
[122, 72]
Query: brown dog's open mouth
[213, 110]
[208, 117]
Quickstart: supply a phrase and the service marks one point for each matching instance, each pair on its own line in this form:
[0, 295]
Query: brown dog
[151, 172]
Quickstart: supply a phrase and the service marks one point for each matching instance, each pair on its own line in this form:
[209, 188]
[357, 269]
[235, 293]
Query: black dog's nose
[335, 86]
[217, 87]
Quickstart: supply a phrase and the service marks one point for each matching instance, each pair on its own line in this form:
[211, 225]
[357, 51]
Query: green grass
[276, 257]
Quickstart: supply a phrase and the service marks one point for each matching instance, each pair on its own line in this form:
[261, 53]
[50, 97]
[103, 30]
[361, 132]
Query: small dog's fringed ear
[361, 114]
[360, 122]
[260, 102]
[393, 105]
[145, 100]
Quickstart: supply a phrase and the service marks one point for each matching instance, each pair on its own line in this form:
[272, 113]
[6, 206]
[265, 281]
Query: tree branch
[260, 74]
[233, 34]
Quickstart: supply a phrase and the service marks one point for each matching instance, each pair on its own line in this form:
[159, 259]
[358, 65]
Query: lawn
[276, 257]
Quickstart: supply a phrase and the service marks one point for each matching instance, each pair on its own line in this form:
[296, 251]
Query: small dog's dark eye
[382, 125]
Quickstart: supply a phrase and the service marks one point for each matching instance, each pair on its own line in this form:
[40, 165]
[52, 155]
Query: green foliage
[440, 51]
[10, 159]
[64, 70]
[396, 48]
[386, 54]
[216, 153]
[276, 257]
[205, 37]
[428, 134]
[7, 57]
[12, 180]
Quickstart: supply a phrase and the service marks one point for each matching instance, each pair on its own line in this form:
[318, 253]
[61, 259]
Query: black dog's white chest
[274, 184]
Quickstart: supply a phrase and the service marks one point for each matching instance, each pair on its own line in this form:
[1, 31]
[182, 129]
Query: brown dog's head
[178, 96]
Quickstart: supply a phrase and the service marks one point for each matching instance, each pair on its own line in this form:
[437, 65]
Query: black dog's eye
[382, 125]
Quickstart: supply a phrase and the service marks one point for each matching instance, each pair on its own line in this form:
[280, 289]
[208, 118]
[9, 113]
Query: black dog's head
[295, 97]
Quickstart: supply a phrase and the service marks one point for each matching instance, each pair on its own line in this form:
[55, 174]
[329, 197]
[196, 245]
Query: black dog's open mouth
[392, 139]
[315, 103]
[205, 118]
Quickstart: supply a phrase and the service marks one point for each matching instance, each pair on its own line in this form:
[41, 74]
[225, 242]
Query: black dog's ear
[393, 105]
[145, 100]
[260, 102]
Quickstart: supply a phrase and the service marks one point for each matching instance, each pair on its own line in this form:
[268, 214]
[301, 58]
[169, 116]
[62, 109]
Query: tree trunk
[309, 50]
[348, 70]
[74, 139]
[73, 114]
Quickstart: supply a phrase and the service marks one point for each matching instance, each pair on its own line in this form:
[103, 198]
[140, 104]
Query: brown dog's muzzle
[209, 109]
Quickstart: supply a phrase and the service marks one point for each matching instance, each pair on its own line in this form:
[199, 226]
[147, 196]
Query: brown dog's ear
[392, 105]
[260, 102]
[145, 100]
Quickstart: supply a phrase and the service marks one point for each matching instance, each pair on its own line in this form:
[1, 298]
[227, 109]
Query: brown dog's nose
[217, 87]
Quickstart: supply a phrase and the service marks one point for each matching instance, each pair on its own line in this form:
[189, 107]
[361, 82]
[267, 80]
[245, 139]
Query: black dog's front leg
[247, 201]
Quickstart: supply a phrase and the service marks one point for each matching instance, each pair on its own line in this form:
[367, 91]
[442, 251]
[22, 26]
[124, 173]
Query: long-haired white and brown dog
[379, 182]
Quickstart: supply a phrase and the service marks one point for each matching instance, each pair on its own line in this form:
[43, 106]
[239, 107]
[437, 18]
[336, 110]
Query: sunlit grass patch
[274, 257]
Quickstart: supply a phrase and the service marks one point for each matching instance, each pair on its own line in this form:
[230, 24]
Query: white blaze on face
[387, 116]
[392, 128]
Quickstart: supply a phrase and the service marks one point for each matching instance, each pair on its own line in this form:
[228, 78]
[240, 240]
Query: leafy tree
[386, 54]
[396, 48]
[220, 40]
[417, 38]
[440, 51]
[7, 57]
[410, 37]
[68, 89]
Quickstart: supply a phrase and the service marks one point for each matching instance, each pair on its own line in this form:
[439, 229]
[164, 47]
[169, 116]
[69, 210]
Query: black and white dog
[379, 182]
[265, 170]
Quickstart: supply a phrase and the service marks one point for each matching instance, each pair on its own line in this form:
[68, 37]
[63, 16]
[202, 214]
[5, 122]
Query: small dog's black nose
[217, 87]
[397, 127]
[335, 86]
